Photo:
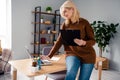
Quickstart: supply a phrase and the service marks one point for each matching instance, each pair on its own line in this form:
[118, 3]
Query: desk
[99, 62]
[23, 66]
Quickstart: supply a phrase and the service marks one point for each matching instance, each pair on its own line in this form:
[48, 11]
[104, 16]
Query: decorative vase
[42, 21]
[49, 31]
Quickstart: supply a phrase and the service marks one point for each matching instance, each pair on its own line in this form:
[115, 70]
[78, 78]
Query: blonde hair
[69, 4]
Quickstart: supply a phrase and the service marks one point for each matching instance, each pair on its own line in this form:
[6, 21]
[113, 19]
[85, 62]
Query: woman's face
[67, 13]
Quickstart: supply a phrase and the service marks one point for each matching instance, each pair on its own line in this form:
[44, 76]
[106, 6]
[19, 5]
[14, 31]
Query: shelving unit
[41, 33]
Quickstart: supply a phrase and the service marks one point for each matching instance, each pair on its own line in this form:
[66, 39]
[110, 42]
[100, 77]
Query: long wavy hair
[75, 17]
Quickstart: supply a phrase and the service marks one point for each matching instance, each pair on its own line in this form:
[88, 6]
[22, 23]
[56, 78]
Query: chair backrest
[46, 50]
[6, 56]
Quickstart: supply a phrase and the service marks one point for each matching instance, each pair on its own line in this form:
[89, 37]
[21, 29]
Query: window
[5, 23]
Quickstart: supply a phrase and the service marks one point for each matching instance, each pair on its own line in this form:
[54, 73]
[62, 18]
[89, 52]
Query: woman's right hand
[44, 57]
[80, 42]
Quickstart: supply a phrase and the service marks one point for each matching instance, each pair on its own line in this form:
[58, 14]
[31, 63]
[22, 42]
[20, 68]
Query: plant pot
[48, 11]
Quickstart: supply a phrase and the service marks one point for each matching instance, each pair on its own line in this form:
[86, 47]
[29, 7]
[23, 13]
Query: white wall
[21, 23]
[107, 10]
[99, 9]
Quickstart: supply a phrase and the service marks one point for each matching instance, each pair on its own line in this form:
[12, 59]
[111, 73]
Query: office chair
[56, 75]
[6, 56]
[46, 50]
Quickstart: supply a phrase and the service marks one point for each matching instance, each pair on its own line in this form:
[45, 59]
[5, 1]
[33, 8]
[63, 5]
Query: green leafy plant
[103, 33]
[48, 8]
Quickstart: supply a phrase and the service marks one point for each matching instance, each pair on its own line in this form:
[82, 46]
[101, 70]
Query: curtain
[5, 23]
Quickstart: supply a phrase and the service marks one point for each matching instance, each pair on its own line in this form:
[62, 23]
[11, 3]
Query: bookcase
[46, 29]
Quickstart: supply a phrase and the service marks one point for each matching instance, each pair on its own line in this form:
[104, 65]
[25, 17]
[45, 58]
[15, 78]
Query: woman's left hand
[80, 42]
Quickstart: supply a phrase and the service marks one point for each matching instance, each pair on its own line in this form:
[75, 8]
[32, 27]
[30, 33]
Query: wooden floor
[106, 75]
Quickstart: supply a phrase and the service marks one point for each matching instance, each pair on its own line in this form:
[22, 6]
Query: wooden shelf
[41, 43]
[41, 23]
[44, 23]
[41, 27]
[45, 33]
[35, 54]
[46, 13]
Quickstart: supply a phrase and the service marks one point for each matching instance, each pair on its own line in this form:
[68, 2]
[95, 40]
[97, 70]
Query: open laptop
[43, 62]
[68, 37]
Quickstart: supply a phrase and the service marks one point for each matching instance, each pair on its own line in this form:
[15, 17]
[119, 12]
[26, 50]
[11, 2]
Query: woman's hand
[44, 57]
[80, 42]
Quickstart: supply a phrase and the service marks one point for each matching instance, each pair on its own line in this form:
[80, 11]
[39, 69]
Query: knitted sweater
[85, 53]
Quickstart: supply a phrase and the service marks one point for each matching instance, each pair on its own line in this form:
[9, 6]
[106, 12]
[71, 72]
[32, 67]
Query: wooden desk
[99, 62]
[24, 66]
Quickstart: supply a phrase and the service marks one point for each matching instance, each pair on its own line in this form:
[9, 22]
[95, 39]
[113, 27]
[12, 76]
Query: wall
[21, 23]
[107, 10]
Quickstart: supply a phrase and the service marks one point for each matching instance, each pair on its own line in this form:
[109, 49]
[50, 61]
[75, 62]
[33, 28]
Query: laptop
[68, 37]
[43, 62]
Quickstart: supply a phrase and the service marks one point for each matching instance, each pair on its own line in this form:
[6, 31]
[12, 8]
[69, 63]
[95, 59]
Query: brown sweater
[85, 53]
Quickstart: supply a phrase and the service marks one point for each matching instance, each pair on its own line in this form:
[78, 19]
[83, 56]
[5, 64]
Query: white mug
[34, 69]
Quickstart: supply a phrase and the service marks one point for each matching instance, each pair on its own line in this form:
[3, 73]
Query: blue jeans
[73, 64]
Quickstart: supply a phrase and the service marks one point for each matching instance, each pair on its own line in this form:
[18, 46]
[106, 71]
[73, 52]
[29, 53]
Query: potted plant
[49, 9]
[103, 33]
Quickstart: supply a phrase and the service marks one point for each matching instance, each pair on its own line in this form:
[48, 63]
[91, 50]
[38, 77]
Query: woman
[81, 56]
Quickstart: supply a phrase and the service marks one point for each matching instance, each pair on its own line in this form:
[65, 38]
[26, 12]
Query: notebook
[68, 37]
[43, 62]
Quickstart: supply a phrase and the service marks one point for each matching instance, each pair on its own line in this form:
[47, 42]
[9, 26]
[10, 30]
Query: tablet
[68, 37]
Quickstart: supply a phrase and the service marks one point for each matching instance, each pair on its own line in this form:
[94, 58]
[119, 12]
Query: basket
[105, 64]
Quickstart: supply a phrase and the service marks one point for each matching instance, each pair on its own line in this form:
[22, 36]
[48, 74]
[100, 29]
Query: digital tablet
[68, 37]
